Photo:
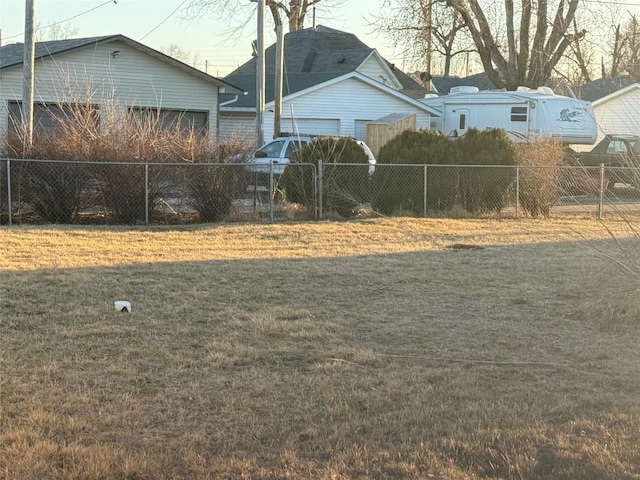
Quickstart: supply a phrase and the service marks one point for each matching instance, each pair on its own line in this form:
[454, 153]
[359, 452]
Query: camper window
[518, 114]
[463, 121]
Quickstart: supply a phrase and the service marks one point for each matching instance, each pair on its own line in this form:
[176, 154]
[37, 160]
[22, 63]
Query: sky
[161, 23]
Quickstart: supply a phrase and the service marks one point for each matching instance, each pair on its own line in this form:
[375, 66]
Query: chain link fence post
[146, 194]
[601, 192]
[271, 191]
[9, 212]
[424, 177]
[517, 189]
[320, 171]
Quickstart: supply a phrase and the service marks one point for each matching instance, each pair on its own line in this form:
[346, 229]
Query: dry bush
[115, 138]
[613, 293]
[539, 172]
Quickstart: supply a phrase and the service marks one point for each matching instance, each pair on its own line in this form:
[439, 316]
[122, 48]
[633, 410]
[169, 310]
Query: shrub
[400, 189]
[344, 187]
[117, 148]
[4, 192]
[484, 189]
[52, 189]
[539, 175]
[213, 182]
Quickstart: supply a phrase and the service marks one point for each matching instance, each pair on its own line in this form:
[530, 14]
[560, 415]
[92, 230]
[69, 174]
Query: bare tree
[238, 12]
[533, 42]
[581, 57]
[56, 31]
[178, 53]
[616, 51]
[630, 55]
[423, 27]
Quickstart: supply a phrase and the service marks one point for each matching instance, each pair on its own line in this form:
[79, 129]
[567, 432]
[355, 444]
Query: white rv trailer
[523, 114]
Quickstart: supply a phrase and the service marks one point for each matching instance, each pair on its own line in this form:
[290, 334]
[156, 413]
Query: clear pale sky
[154, 23]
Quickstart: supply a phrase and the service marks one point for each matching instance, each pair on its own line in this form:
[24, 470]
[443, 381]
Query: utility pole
[28, 71]
[260, 74]
[429, 17]
[277, 111]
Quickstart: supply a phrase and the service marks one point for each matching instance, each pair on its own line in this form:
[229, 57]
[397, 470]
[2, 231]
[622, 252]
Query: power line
[610, 2]
[168, 17]
[66, 20]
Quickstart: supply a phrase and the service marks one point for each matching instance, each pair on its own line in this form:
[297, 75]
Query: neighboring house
[333, 84]
[619, 112]
[108, 74]
[616, 106]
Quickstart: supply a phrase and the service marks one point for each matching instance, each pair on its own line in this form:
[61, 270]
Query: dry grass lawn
[367, 349]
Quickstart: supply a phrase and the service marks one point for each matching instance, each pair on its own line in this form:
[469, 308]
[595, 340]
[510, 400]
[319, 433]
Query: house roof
[12, 55]
[312, 56]
[602, 87]
[617, 93]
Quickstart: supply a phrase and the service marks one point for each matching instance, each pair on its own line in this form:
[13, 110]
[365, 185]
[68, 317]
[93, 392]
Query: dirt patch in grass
[364, 349]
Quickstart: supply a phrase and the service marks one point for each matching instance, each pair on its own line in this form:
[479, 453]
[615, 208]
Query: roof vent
[464, 89]
[545, 91]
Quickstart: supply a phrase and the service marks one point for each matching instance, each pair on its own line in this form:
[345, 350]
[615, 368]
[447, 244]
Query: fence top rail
[163, 164]
[265, 165]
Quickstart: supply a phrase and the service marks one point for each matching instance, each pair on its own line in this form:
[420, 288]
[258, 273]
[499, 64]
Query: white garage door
[311, 126]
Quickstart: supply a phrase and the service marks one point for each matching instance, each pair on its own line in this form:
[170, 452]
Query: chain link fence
[39, 191]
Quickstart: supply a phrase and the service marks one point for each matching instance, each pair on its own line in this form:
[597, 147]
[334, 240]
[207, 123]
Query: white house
[333, 85]
[109, 72]
[619, 112]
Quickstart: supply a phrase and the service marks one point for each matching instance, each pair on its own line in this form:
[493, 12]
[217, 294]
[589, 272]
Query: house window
[168, 118]
[49, 117]
[518, 114]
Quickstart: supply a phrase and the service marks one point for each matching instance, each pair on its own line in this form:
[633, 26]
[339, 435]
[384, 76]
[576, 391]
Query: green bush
[344, 187]
[484, 189]
[402, 189]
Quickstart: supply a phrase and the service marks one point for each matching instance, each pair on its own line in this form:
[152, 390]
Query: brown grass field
[372, 349]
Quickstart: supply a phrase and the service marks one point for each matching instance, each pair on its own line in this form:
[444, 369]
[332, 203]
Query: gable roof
[312, 56]
[602, 87]
[12, 55]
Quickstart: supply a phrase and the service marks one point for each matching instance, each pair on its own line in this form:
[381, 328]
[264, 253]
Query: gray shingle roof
[312, 56]
[13, 54]
[602, 87]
